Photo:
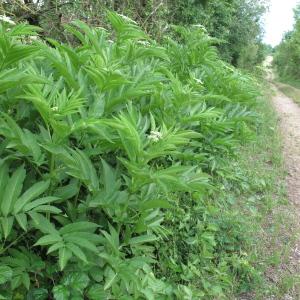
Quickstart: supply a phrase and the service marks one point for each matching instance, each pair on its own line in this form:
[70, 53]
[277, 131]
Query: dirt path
[289, 120]
[289, 124]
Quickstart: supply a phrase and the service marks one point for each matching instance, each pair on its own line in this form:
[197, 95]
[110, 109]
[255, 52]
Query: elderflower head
[155, 136]
[144, 43]
[33, 37]
[7, 20]
[198, 80]
[127, 19]
[200, 27]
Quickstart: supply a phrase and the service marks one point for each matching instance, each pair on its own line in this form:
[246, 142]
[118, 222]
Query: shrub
[110, 157]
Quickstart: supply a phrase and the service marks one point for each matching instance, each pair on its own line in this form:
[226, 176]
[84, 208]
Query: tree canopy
[287, 55]
[235, 23]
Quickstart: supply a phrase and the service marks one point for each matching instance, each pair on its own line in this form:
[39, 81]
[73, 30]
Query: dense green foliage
[110, 158]
[287, 55]
[115, 169]
[235, 23]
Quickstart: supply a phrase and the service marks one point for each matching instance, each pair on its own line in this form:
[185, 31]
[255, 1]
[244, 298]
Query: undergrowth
[274, 224]
[121, 172]
[290, 91]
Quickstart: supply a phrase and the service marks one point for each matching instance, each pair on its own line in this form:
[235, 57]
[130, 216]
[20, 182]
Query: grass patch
[266, 209]
[290, 91]
[290, 81]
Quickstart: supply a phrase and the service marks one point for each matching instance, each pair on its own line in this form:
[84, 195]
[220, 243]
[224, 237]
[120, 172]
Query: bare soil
[289, 123]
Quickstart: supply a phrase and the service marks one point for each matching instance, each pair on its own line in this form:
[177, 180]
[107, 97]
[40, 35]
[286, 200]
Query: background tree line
[236, 24]
[287, 54]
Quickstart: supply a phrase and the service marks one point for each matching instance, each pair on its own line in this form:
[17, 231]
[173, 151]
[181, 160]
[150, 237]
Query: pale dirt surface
[289, 120]
[289, 124]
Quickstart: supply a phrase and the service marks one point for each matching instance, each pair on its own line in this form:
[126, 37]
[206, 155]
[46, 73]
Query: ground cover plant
[114, 156]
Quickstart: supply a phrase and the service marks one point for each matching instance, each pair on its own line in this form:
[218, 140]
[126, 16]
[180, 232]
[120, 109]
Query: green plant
[235, 23]
[287, 53]
[111, 155]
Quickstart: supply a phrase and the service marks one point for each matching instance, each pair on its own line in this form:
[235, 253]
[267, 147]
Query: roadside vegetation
[134, 168]
[235, 24]
[287, 54]
[289, 90]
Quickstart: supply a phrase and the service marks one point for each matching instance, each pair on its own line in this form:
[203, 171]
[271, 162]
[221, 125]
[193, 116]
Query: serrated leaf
[26, 280]
[96, 292]
[38, 294]
[81, 242]
[39, 202]
[156, 203]
[5, 274]
[3, 178]
[110, 281]
[64, 254]
[147, 238]
[80, 167]
[78, 227]
[55, 247]
[61, 292]
[67, 191]
[77, 251]
[42, 223]
[22, 220]
[48, 240]
[12, 190]
[47, 209]
[109, 177]
[7, 223]
[77, 281]
[36, 190]
[16, 281]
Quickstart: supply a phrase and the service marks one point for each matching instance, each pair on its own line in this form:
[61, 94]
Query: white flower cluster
[127, 19]
[144, 43]
[7, 19]
[200, 27]
[33, 37]
[155, 136]
[198, 81]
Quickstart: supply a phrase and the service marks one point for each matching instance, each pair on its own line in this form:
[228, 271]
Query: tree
[287, 56]
[235, 23]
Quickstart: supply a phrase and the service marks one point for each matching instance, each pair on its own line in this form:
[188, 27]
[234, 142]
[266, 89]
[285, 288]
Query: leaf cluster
[109, 153]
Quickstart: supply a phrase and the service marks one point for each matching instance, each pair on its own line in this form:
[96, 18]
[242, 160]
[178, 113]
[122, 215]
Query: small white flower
[155, 136]
[100, 28]
[54, 108]
[200, 26]
[127, 18]
[145, 43]
[33, 37]
[198, 80]
[7, 20]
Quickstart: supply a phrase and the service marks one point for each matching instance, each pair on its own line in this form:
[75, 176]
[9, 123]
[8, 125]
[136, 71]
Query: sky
[278, 20]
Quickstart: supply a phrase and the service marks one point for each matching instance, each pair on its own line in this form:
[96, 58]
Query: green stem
[12, 243]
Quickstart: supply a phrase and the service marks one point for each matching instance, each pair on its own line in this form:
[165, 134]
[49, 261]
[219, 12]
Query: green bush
[111, 157]
[287, 54]
[235, 23]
